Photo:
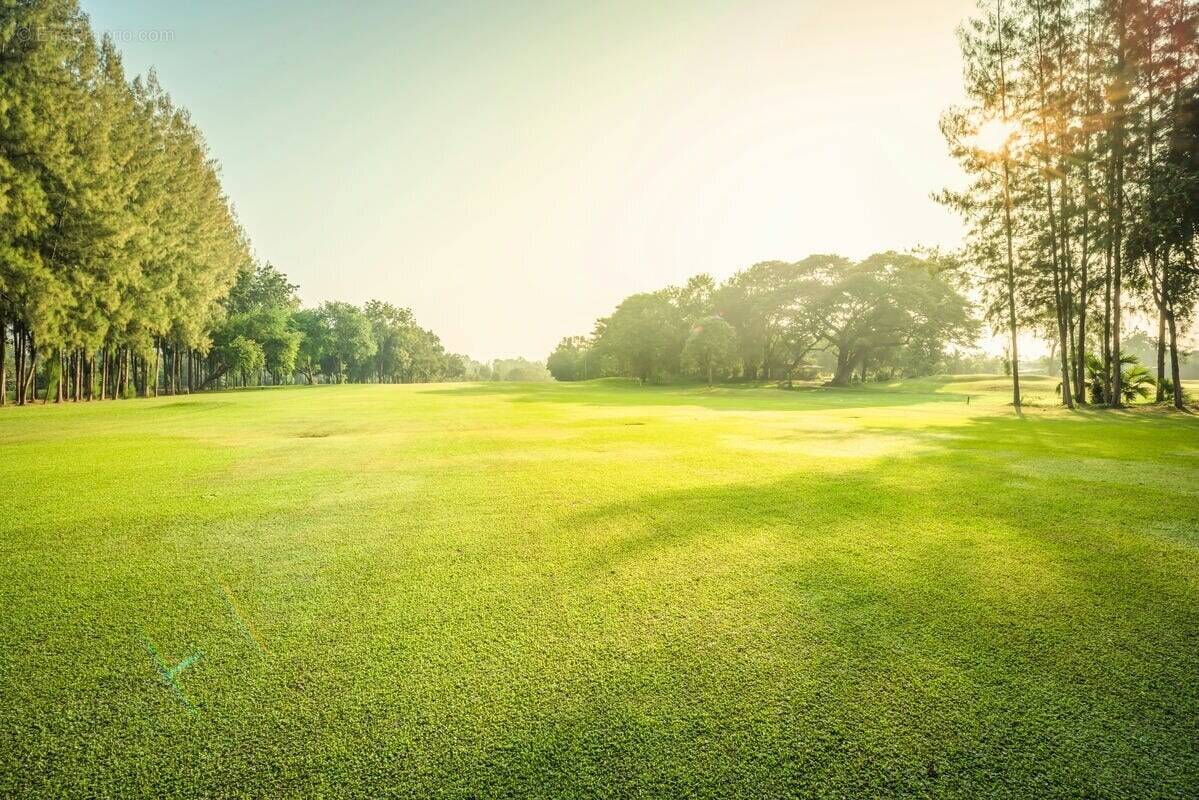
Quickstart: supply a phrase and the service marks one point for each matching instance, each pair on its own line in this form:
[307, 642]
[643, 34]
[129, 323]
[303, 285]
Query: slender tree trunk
[1056, 259]
[61, 377]
[122, 373]
[1117, 234]
[1175, 372]
[30, 392]
[1107, 325]
[1013, 331]
[1088, 196]
[3, 361]
[22, 381]
[1075, 358]
[18, 344]
[1161, 353]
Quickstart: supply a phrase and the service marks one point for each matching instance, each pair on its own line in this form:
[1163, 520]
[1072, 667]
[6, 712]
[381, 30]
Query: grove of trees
[1081, 139]
[891, 314]
[123, 268]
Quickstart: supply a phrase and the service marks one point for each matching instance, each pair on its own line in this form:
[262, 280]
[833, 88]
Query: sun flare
[994, 134]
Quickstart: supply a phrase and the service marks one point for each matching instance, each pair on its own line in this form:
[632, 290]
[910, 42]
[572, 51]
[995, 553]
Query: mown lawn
[599, 590]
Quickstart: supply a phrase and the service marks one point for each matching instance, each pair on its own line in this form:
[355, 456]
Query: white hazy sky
[512, 170]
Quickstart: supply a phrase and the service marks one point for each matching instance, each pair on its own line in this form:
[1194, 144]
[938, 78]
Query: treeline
[115, 236]
[1081, 137]
[123, 268]
[887, 316]
[264, 337]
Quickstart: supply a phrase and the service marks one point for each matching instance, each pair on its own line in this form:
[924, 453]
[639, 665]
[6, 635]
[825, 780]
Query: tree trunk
[62, 376]
[1117, 232]
[122, 373]
[18, 349]
[3, 361]
[1107, 325]
[1175, 372]
[157, 361]
[1161, 354]
[30, 392]
[845, 367]
[1011, 276]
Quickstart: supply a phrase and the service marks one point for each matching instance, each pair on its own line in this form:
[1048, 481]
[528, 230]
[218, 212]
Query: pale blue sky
[511, 170]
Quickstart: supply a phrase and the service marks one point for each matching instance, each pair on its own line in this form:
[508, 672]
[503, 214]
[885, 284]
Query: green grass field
[599, 590]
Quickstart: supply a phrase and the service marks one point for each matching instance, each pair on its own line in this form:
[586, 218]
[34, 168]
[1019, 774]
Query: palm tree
[1135, 381]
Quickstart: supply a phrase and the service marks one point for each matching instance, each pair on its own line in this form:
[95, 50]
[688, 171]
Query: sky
[512, 170]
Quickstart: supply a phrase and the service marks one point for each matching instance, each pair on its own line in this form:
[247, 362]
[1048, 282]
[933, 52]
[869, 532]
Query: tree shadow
[949, 607]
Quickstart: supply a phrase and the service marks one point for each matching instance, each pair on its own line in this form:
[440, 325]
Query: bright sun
[994, 134]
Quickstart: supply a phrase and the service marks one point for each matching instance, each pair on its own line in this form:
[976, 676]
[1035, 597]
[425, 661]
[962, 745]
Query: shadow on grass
[921, 625]
[947, 607]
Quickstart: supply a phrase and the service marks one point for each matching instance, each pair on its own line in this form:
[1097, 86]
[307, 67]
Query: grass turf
[599, 589]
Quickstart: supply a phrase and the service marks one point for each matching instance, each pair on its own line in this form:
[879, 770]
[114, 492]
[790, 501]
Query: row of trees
[265, 337]
[115, 237]
[123, 268]
[1081, 138]
[891, 314]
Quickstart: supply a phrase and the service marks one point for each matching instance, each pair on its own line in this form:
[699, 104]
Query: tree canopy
[776, 319]
[123, 268]
[1079, 137]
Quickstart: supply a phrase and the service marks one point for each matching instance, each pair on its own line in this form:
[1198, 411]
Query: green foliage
[519, 370]
[711, 349]
[350, 340]
[120, 251]
[314, 341]
[243, 355]
[1088, 199]
[644, 336]
[573, 360]
[891, 314]
[1137, 383]
[1188, 397]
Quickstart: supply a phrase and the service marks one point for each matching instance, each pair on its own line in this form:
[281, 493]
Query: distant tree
[520, 370]
[243, 356]
[711, 348]
[753, 302]
[476, 370]
[694, 299]
[260, 309]
[350, 340]
[571, 359]
[455, 366]
[394, 331]
[892, 301]
[643, 335]
[315, 341]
